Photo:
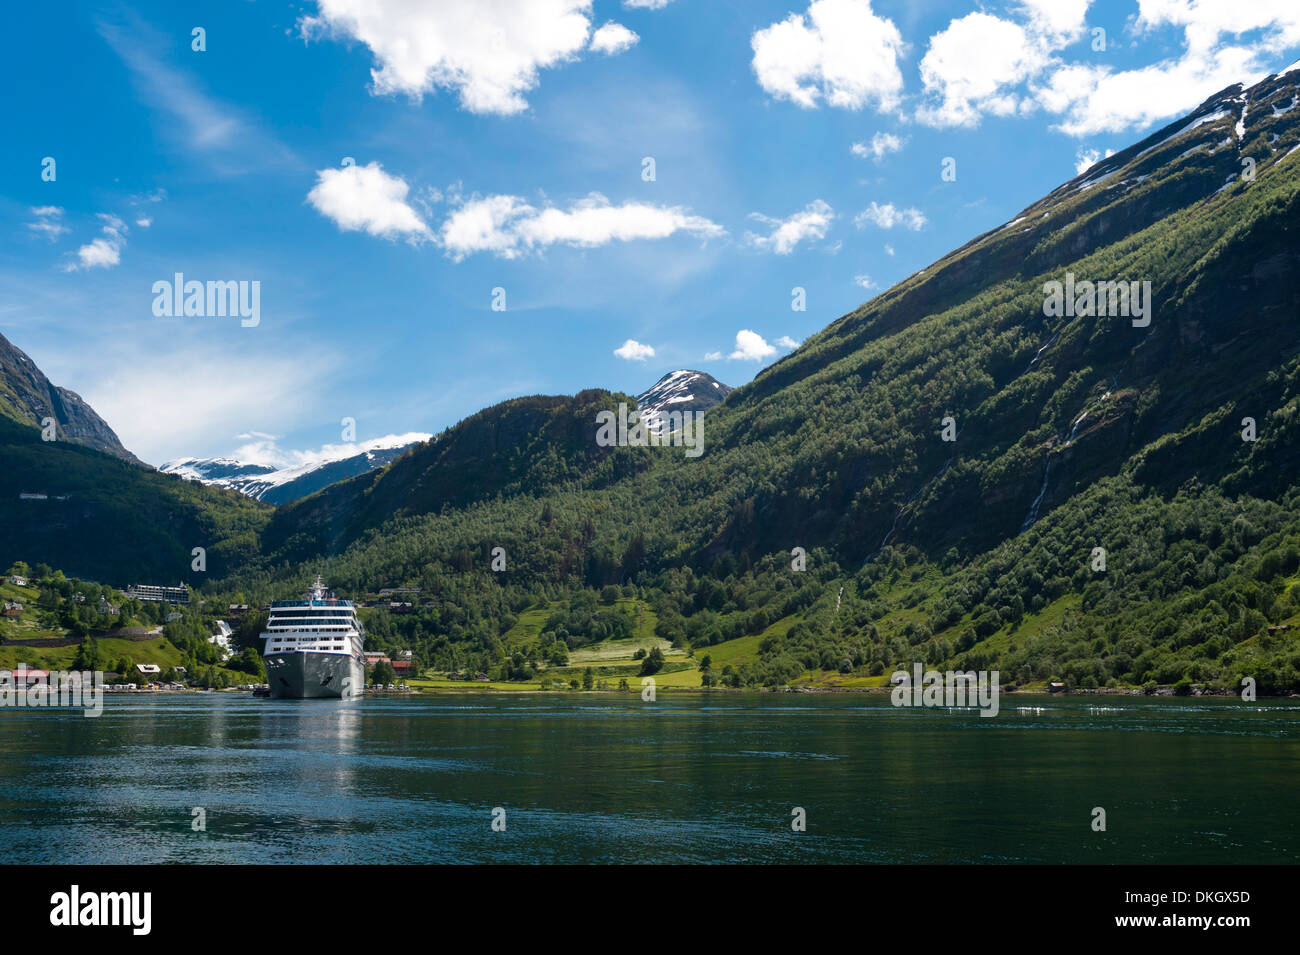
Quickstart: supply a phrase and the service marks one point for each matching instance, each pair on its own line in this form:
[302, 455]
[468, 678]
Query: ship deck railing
[311, 603]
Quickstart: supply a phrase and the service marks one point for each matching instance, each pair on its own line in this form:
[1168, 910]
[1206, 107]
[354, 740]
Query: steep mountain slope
[28, 397]
[106, 519]
[519, 447]
[968, 337]
[264, 482]
[682, 390]
[848, 426]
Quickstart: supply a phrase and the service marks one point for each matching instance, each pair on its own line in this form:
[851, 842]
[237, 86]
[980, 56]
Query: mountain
[524, 446]
[279, 485]
[682, 390]
[976, 476]
[28, 397]
[103, 518]
[84, 504]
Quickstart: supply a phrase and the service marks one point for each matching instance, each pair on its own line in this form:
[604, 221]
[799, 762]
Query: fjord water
[609, 778]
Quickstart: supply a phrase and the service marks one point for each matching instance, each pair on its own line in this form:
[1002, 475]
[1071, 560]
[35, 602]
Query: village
[150, 637]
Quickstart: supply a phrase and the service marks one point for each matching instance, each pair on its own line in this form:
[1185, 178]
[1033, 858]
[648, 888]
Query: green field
[158, 651]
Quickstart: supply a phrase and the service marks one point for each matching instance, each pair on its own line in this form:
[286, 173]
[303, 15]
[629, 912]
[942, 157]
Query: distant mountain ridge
[28, 397]
[280, 485]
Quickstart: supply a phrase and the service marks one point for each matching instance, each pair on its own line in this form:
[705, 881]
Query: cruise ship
[313, 647]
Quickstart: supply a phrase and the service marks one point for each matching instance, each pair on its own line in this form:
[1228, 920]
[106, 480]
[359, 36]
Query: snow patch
[1212, 117]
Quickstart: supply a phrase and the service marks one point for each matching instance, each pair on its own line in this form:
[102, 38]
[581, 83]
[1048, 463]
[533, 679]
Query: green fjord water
[608, 778]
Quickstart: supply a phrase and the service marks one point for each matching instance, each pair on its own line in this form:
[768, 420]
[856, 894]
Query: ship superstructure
[313, 647]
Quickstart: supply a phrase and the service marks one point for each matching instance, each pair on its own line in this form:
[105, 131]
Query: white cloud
[365, 198]
[811, 223]
[713, 356]
[986, 65]
[144, 223]
[750, 346]
[889, 249]
[646, 4]
[633, 350]
[105, 251]
[970, 67]
[47, 222]
[1093, 100]
[1058, 21]
[864, 281]
[1206, 22]
[785, 341]
[99, 253]
[888, 216]
[839, 51]
[509, 227]
[613, 38]
[881, 145]
[490, 53]
[1087, 158]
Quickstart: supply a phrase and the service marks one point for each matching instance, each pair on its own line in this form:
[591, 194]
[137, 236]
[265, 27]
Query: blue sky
[502, 145]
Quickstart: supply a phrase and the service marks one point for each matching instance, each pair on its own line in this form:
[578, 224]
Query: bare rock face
[28, 397]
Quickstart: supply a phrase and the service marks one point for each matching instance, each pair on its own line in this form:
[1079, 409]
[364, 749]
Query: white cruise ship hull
[302, 675]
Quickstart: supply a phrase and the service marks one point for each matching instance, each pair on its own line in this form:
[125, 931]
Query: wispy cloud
[507, 226]
[217, 132]
[888, 216]
[201, 409]
[881, 145]
[810, 223]
[48, 222]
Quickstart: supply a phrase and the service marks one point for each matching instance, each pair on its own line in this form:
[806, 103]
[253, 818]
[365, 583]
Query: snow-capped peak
[292, 474]
[681, 390]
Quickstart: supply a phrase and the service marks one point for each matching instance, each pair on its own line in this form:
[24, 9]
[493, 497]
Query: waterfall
[1042, 491]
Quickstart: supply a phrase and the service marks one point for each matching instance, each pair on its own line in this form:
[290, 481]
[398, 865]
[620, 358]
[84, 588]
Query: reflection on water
[607, 778]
